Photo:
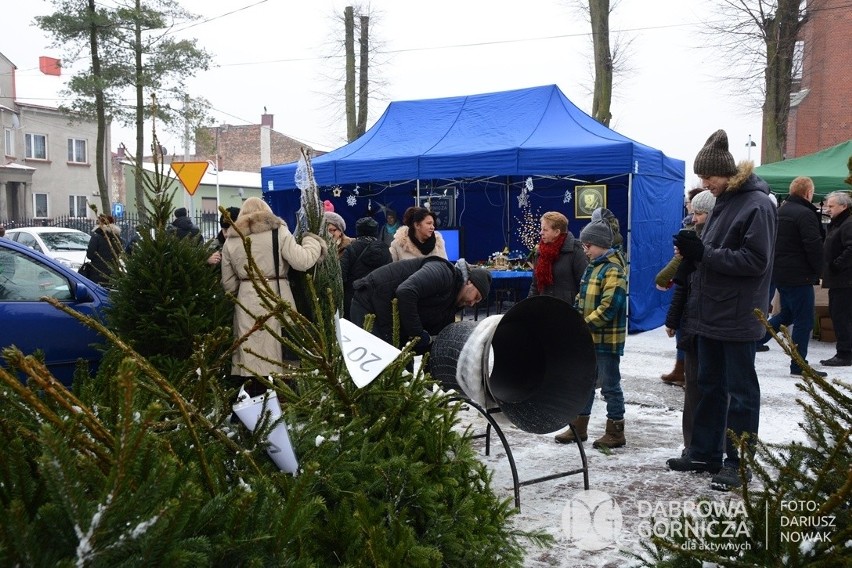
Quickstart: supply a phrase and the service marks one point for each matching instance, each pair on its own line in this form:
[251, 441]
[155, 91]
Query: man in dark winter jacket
[362, 256]
[734, 266]
[429, 291]
[183, 225]
[798, 263]
[837, 273]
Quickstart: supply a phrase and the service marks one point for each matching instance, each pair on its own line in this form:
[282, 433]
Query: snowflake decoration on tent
[567, 197]
[528, 184]
[523, 199]
[351, 201]
[302, 177]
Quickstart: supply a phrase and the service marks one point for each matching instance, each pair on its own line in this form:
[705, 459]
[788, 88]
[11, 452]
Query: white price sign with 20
[366, 355]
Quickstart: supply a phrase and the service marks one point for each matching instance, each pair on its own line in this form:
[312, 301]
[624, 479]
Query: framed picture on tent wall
[587, 198]
[443, 206]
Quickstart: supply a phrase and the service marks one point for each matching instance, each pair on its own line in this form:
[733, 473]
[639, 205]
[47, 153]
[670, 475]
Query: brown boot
[581, 424]
[614, 436]
[676, 376]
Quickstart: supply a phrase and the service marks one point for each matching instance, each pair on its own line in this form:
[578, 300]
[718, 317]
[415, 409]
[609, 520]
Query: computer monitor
[454, 242]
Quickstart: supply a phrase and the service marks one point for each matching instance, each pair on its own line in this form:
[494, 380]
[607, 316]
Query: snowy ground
[636, 474]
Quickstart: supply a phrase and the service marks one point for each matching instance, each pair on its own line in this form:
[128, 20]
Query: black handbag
[86, 269]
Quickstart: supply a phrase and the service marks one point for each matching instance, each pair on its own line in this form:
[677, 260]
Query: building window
[77, 205]
[40, 204]
[9, 141]
[36, 146]
[77, 151]
[798, 60]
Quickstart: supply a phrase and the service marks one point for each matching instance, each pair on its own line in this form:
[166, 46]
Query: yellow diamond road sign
[190, 174]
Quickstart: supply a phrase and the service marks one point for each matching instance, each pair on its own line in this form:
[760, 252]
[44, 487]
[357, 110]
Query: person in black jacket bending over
[429, 291]
[362, 256]
[798, 263]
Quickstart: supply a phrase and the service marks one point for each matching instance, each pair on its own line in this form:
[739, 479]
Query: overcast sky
[269, 53]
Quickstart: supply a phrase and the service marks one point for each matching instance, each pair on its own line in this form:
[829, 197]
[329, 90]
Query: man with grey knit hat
[734, 258]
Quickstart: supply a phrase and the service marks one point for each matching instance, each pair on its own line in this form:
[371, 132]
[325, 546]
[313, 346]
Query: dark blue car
[31, 324]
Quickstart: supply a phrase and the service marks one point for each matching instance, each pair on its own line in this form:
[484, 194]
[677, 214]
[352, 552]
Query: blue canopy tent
[476, 158]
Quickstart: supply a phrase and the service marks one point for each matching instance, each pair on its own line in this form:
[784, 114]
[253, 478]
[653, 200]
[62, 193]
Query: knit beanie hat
[597, 233]
[366, 227]
[703, 202]
[327, 205]
[604, 214]
[481, 279]
[180, 212]
[714, 159]
[334, 219]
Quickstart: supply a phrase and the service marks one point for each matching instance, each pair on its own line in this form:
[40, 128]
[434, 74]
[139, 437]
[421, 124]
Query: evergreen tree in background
[142, 464]
[801, 514]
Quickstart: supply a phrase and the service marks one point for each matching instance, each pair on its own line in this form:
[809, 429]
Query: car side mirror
[82, 293]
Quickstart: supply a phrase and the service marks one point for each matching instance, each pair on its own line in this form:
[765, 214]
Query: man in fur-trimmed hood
[734, 257]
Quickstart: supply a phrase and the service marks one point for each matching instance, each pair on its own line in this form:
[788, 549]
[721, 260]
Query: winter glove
[424, 344]
[322, 242]
[689, 245]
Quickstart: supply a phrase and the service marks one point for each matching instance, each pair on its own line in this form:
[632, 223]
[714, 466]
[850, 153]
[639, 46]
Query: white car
[66, 246]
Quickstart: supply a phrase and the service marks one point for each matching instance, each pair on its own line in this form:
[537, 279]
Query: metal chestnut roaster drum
[535, 364]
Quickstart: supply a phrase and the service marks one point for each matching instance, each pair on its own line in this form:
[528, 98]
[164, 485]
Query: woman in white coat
[257, 221]
[417, 236]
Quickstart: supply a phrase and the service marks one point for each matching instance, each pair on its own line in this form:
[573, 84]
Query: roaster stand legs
[492, 423]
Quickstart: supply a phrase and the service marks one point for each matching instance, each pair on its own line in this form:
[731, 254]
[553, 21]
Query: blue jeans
[729, 399]
[797, 308]
[609, 376]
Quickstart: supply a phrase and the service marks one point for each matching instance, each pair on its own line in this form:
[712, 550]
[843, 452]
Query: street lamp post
[750, 144]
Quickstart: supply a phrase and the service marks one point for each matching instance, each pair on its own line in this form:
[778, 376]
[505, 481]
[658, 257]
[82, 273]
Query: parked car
[67, 246]
[32, 324]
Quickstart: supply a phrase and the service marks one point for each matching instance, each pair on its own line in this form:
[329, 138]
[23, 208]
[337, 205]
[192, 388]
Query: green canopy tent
[828, 168]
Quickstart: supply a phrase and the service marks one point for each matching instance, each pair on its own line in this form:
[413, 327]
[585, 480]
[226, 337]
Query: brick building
[820, 113]
[246, 148]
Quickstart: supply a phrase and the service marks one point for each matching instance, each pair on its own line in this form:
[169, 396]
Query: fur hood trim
[114, 229]
[257, 222]
[744, 171]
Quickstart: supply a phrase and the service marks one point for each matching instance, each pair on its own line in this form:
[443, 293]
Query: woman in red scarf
[559, 261]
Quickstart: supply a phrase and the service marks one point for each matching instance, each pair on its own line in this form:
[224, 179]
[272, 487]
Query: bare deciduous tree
[608, 55]
[358, 72]
[758, 40]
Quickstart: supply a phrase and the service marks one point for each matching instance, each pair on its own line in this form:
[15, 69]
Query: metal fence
[207, 222]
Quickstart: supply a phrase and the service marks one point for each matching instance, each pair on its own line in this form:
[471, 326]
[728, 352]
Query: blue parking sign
[118, 210]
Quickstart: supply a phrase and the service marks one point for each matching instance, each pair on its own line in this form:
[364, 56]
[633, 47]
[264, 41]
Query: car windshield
[66, 241]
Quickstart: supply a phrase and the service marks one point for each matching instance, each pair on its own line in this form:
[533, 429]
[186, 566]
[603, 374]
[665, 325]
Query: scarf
[426, 247]
[547, 255]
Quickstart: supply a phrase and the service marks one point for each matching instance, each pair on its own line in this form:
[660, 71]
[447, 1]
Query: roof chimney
[266, 119]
